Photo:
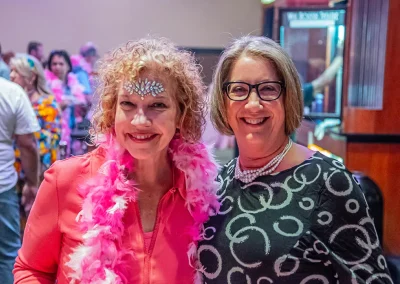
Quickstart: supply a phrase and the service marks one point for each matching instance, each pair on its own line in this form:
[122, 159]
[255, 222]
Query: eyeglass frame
[251, 87]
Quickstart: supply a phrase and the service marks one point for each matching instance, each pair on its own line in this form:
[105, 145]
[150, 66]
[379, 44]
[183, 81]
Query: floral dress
[48, 138]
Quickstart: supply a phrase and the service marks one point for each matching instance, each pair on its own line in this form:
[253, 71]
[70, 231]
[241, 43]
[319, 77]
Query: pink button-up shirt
[52, 233]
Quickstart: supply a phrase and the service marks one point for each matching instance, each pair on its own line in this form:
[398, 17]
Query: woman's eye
[238, 89]
[158, 105]
[126, 103]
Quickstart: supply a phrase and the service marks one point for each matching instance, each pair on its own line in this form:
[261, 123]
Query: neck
[263, 156]
[30, 92]
[152, 173]
[63, 78]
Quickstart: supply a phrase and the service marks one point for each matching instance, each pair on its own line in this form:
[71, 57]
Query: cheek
[121, 122]
[169, 122]
[281, 108]
[19, 80]
[232, 109]
[278, 110]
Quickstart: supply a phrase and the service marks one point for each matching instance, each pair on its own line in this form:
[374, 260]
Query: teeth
[142, 137]
[254, 120]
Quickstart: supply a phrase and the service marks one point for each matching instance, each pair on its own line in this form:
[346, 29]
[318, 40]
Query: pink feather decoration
[56, 86]
[105, 197]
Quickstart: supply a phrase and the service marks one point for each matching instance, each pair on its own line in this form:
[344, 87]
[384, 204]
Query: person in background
[17, 121]
[4, 69]
[131, 211]
[69, 94]
[222, 145]
[83, 65]
[35, 49]
[28, 72]
[90, 54]
[316, 86]
[7, 57]
[288, 214]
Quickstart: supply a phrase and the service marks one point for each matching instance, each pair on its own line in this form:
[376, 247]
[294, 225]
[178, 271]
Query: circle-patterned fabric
[308, 224]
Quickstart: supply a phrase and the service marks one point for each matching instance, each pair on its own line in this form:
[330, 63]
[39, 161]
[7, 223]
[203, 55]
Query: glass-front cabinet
[314, 40]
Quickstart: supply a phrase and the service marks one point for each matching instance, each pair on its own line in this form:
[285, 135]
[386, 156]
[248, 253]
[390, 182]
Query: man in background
[4, 70]
[17, 121]
[36, 50]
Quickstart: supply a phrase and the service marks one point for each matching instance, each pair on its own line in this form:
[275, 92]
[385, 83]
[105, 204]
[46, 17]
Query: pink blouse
[52, 233]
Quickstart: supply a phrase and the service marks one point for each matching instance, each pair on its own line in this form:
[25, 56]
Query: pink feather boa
[105, 197]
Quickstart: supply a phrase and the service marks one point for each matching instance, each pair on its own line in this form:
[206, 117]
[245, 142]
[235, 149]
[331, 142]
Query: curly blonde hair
[128, 61]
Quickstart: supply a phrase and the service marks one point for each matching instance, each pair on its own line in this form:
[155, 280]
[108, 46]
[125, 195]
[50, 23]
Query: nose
[140, 119]
[253, 101]
[12, 75]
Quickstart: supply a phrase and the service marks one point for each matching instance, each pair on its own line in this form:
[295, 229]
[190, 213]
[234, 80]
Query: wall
[68, 24]
[386, 121]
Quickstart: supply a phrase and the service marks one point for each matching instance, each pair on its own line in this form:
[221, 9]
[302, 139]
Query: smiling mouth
[142, 137]
[254, 121]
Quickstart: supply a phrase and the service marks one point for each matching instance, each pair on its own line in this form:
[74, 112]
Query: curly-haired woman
[131, 211]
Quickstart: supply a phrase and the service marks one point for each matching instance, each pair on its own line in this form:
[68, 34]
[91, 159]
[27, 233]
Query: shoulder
[83, 166]
[327, 174]
[339, 186]
[10, 89]
[228, 169]
[335, 174]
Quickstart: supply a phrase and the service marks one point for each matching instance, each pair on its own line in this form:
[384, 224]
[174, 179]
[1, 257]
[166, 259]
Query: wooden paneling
[386, 121]
[367, 53]
[381, 162]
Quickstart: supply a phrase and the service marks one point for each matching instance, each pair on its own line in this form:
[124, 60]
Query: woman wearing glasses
[288, 215]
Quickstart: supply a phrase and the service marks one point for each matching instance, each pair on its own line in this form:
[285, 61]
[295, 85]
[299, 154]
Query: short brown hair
[266, 48]
[134, 57]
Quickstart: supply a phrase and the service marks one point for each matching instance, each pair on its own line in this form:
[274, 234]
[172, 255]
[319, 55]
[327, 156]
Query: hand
[28, 197]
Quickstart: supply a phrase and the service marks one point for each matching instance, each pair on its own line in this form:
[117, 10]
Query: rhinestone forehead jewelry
[144, 88]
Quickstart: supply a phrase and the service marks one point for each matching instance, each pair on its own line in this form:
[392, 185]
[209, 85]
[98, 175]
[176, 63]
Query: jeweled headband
[144, 88]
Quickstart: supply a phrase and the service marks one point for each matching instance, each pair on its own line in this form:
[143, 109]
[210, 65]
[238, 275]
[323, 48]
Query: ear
[33, 80]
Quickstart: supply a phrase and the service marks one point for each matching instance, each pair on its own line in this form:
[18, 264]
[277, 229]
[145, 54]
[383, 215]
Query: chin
[141, 154]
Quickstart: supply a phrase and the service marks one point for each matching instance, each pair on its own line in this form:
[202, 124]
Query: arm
[29, 158]
[329, 74]
[342, 223]
[26, 125]
[37, 260]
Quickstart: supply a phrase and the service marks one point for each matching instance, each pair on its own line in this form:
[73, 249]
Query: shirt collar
[180, 182]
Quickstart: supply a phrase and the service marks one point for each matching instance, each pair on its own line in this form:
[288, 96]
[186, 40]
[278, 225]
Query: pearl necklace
[247, 176]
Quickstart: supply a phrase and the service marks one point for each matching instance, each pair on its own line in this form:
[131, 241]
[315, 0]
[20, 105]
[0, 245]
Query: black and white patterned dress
[308, 224]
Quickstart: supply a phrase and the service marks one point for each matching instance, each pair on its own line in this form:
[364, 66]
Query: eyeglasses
[266, 91]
